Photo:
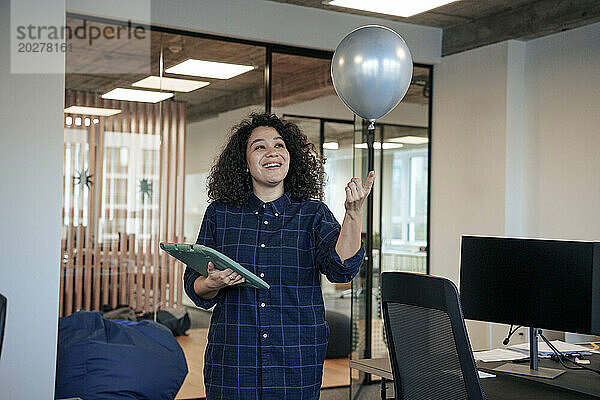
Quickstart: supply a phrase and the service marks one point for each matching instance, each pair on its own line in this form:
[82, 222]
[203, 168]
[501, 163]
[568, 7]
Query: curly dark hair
[229, 182]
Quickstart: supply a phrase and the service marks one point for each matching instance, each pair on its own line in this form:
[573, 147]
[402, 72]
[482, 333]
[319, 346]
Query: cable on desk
[561, 356]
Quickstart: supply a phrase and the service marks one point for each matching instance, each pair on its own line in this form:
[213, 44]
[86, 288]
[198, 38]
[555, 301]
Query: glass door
[364, 157]
[337, 152]
[395, 219]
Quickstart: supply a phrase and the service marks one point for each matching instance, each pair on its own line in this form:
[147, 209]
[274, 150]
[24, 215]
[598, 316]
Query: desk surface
[375, 366]
[509, 387]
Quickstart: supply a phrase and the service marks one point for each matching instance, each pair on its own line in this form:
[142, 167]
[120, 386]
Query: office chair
[2, 319]
[427, 341]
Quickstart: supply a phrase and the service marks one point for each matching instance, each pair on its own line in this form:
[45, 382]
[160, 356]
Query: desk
[504, 386]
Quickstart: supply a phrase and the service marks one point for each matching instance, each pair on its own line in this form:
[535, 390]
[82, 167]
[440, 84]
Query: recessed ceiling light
[331, 145]
[146, 96]
[403, 8]
[105, 112]
[209, 69]
[377, 145]
[409, 139]
[69, 121]
[174, 84]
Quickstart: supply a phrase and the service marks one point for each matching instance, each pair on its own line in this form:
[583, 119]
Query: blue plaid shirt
[271, 344]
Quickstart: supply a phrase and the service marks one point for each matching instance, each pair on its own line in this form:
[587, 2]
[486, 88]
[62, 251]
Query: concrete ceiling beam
[526, 22]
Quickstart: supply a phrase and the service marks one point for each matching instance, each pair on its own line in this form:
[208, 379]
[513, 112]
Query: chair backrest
[427, 341]
[2, 319]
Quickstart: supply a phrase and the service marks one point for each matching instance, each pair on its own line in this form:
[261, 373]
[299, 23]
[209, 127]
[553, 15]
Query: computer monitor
[550, 284]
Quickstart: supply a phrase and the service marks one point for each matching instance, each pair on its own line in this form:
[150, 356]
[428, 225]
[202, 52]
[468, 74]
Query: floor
[193, 347]
[335, 372]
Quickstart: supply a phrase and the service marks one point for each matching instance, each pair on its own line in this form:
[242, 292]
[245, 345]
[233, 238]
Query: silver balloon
[371, 70]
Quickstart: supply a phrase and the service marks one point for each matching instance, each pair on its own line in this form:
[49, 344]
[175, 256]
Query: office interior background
[511, 149]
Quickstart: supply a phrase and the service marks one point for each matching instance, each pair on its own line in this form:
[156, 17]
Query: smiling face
[268, 160]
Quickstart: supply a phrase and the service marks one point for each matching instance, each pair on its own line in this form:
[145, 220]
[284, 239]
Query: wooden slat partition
[150, 261]
[115, 167]
[164, 201]
[69, 295]
[91, 167]
[122, 263]
[134, 212]
[97, 212]
[131, 263]
[78, 273]
[111, 255]
[180, 190]
[156, 223]
[172, 224]
[138, 276]
[63, 246]
[107, 245]
[63, 242]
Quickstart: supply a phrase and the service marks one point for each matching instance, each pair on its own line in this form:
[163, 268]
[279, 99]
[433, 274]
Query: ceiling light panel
[410, 139]
[103, 112]
[377, 146]
[209, 69]
[145, 96]
[392, 7]
[174, 84]
[331, 145]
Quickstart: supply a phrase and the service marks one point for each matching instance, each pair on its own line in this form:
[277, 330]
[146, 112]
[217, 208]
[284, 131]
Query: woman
[271, 344]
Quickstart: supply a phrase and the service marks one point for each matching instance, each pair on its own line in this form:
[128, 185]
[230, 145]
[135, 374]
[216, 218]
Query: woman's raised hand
[218, 279]
[356, 193]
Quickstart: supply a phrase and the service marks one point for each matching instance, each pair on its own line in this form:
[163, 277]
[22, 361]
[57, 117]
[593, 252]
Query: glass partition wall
[135, 171]
[127, 160]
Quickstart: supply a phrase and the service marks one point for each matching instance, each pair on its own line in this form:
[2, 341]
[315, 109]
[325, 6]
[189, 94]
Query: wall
[468, 152]
[515, 144]
[467, 158]
[563, 125]
[31, 156]
[561, 176]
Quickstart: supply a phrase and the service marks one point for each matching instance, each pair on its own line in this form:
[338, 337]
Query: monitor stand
[532, 370]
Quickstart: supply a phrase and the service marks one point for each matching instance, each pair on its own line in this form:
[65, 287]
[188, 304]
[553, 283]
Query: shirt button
[262, 304]
[262, 245]
[277, 214]
[265, 335]
[266, 222]
[262, 275]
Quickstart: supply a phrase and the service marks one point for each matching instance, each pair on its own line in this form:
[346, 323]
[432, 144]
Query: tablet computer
[197, 256]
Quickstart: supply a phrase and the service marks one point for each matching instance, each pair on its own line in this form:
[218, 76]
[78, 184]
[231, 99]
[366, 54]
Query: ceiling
[469, 24]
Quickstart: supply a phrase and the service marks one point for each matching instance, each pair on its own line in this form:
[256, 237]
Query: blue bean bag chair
[108, 359]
